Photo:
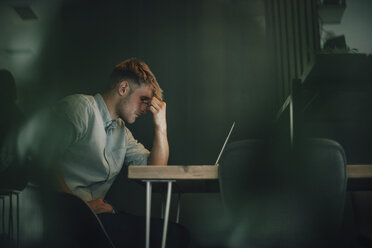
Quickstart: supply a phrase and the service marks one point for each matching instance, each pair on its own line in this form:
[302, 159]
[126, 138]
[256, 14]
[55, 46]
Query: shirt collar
[105, 114]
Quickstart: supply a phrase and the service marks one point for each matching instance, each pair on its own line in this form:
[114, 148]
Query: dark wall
[210, 58]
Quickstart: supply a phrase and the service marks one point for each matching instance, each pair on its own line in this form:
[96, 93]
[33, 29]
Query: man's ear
[123, 88]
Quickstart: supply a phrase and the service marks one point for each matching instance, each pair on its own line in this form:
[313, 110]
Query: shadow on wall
[12, 174]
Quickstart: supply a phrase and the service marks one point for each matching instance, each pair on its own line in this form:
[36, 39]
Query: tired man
[97, 144]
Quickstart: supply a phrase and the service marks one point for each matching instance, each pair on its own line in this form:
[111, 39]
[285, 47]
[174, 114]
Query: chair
[69, 222]
[284, 198]
[13, 180]
[13, 175]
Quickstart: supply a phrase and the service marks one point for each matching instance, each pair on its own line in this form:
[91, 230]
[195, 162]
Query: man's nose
[144, 109]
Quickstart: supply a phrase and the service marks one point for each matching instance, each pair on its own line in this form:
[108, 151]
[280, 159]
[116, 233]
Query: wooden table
[359, 177]
[200, 175]
[190, 178]
[204, 178]
[174, 172]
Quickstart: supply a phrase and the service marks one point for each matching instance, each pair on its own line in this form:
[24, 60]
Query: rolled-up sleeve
[136, 153]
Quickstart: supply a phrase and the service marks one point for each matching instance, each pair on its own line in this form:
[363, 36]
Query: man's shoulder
[76, 102]
[80, 99]
[76, 107]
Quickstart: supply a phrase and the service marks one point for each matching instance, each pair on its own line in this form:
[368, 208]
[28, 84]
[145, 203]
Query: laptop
[224, 145]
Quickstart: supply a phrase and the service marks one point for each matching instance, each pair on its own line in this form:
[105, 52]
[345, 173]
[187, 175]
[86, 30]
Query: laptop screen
[224, 145]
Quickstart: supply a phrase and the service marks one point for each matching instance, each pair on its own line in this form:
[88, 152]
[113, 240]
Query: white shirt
[94, 157]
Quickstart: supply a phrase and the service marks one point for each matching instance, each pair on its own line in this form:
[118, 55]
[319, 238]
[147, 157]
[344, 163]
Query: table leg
[162, 206]
[166, 217]
[17, 195]
[148, 212]
[11, 216]
[178, 208]
[3, 214]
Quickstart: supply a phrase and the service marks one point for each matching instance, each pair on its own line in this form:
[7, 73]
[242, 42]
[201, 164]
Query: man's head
[133, 86]
[137, 74]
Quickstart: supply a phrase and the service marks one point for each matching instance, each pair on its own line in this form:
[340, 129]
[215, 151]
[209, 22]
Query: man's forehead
[145, 91]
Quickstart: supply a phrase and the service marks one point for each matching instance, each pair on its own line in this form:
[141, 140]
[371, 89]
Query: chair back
[279, 198]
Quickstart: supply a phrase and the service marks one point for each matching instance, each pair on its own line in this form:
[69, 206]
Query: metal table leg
[10, 215]
[148, 212]
[3, 214]
[178, 208]
[166, 217]
[17, 195]
[162, 206]
[148, 209]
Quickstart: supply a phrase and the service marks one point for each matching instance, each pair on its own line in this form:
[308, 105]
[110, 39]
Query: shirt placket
[109, 146]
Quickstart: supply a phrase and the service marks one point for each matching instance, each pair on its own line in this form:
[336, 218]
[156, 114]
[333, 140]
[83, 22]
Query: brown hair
[136, 72]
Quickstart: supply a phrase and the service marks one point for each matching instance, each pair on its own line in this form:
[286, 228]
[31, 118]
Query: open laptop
[224, 145]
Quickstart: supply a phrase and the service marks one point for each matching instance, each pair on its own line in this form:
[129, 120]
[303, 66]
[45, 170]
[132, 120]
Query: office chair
[69, 222]
[284, 198]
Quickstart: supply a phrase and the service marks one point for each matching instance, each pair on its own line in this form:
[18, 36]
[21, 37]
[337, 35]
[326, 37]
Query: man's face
[135, 104]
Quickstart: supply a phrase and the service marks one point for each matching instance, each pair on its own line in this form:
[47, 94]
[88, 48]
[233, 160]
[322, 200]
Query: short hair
[136, 72]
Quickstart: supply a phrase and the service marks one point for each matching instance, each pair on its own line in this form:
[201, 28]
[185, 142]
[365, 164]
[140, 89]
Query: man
[96, 144]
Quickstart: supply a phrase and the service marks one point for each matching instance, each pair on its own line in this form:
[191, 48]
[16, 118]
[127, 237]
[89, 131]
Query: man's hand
[158, 109]
[99, 206]
[160, 149]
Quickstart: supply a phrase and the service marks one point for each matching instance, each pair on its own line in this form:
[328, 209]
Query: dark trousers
[127, 230]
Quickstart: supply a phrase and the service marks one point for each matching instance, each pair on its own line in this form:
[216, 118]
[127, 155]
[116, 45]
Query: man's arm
[160, 149]
[98, 205]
